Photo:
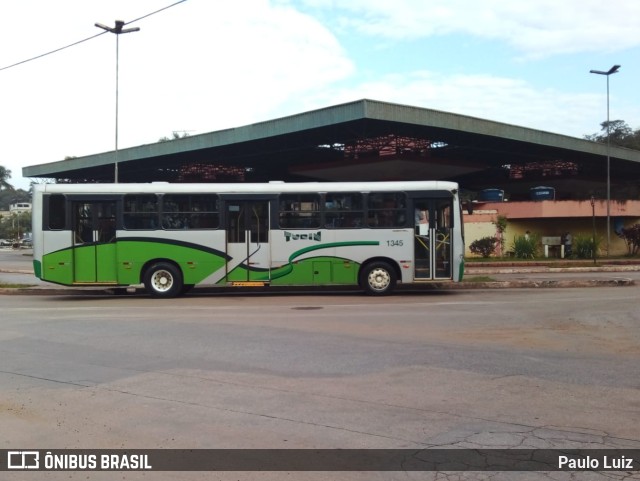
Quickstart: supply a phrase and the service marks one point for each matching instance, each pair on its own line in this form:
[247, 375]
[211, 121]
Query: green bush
[583, 246]
[484, 247]
[525, 248]
[631, 236]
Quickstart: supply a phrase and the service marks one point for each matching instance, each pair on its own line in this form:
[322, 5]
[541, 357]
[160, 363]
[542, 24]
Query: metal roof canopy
[364, 140]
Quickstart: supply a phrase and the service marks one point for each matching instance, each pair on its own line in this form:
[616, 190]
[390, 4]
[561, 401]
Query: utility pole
[612, 70]
[118, 29]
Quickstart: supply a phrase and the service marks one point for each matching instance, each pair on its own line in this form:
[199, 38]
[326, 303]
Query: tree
[501, 226]
[175, 136]
[5, 175]
[631, 236]
[8, 197]
[620, 134]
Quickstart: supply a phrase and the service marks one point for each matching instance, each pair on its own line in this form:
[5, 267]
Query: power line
[52, 51]
[157, 11]
[86, 39]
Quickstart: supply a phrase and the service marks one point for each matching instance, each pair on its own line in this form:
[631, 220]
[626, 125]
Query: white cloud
[204, 66]
[484, 96]
[201, 66]
[535, 28]
[232, 64]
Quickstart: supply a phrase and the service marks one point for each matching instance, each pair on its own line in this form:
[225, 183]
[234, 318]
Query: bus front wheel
[163, 279]
[378, 278]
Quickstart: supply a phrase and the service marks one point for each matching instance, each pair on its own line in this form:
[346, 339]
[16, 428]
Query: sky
[204, 65]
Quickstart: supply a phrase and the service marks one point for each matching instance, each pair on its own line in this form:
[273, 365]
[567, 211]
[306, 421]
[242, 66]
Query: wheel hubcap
[162, 281]
[379, 279]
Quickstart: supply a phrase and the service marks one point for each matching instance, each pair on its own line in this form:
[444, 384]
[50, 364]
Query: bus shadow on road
[210, 291]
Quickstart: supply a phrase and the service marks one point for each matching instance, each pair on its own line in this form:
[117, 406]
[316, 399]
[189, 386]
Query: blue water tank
[542, 193]
[491, 195]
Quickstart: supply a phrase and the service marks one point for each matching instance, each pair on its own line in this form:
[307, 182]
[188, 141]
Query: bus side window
[141, 211]
[387, 209]
[299, 211]
[57, 212]
[343, 211]
[190, 211]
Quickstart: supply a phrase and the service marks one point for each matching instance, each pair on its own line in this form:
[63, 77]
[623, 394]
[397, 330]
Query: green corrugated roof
[274, 141]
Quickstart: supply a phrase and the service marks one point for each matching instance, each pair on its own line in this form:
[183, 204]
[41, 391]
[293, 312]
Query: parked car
[26, 242]
[5, 243]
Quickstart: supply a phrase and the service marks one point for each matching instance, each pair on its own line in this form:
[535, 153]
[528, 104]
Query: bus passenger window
[190, 211]
[344, 211]
[140, 211]
[387, 209]
[299, 211]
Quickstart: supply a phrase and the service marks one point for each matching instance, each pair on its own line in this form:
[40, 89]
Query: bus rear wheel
[378, 279]
[163, 279]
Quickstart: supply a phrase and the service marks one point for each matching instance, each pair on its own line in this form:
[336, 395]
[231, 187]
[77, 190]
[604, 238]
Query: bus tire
[163, 279]
[378, 278]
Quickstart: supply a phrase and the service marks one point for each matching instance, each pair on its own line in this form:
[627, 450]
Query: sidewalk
[478, 268]
[554, 273]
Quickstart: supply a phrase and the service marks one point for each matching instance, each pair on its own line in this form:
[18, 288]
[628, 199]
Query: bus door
[94, 241]
[432, 240]
[247, 226]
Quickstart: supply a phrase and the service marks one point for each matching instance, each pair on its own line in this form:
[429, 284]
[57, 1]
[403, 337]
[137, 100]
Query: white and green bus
[171, 237]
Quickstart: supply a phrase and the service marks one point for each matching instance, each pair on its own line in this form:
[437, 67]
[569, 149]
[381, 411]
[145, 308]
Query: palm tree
[5, 175]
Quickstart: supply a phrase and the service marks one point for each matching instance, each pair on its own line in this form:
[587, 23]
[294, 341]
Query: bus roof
[254, 188]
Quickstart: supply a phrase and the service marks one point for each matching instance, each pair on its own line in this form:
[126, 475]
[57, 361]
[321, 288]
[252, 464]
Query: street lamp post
[593, 225]
[612, 70]
[118, 29]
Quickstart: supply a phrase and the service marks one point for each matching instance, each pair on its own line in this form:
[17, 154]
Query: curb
[515, 284]
[47, 291]
[546, 283]
[549, 270]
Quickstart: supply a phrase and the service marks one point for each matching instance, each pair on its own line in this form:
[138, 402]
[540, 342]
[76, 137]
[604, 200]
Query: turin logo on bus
[314, 236]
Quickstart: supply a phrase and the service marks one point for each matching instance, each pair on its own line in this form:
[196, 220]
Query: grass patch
[478, 279]
[14, 286]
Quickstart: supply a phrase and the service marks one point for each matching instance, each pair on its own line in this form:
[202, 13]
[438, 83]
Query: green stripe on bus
[341, 270]
[289, 267]
[85, 263]
[37, 269]
[124, 266]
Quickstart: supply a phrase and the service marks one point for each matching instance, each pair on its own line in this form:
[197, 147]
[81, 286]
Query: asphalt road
[525, 368]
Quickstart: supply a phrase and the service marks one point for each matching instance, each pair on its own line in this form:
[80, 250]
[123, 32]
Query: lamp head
[613, 69]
